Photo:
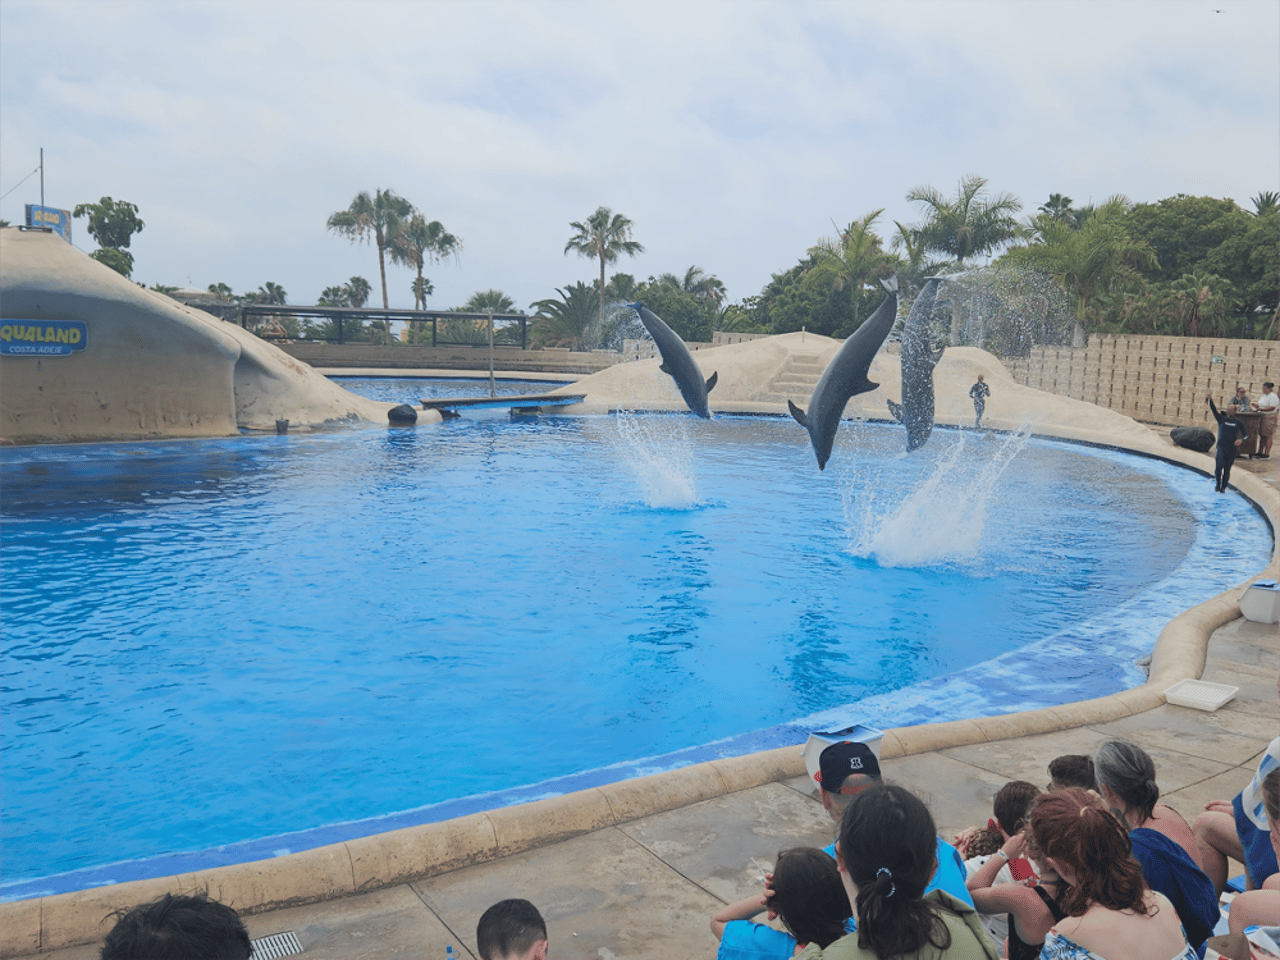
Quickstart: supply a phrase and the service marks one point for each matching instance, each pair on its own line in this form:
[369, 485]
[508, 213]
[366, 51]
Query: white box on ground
[1261, 602]
[820, 740]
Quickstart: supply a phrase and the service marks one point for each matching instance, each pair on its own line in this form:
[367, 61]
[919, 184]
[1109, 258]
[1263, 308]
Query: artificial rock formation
[86, 354]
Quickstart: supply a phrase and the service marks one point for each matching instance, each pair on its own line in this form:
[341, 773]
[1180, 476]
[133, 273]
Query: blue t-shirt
[950, 877]
[744, 940]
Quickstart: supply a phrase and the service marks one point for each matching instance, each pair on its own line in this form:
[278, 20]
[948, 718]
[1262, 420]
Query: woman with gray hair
[1160, 839]
[1126, 779]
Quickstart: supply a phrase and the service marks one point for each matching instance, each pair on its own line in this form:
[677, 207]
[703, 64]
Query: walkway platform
[647, 888]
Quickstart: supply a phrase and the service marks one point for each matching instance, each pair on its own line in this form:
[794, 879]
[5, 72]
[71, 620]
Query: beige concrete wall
[1160, 380]
[415, 357]
[150, 366]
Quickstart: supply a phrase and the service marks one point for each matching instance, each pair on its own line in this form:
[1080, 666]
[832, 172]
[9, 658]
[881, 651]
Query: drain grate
[276, 945]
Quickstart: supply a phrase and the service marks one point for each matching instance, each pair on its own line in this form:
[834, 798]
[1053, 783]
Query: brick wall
[1160, 380]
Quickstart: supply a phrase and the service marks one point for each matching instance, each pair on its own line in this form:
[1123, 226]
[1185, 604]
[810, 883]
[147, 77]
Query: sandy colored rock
[149, 367]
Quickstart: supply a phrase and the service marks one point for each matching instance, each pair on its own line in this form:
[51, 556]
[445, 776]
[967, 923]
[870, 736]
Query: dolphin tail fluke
[711, 380]
[798, 414]
[890, 283]
[895, 409]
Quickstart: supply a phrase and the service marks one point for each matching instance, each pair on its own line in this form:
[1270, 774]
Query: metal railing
[350, 325]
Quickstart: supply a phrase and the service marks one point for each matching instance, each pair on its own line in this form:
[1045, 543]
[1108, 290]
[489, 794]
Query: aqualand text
[50, 338]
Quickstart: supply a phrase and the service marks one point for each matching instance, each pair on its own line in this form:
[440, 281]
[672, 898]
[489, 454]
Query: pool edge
[42, 924]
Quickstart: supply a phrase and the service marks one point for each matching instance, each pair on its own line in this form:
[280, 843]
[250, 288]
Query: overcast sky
[733, 134]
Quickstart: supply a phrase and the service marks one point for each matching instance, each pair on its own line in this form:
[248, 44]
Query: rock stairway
[796, 381]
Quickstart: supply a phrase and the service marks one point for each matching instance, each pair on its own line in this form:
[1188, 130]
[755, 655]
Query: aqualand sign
[42, 338]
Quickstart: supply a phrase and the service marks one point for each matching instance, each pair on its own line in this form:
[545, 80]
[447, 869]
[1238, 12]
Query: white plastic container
[1261, 602]
[1200, 694]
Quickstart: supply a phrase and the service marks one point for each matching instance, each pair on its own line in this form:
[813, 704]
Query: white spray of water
[939, 520]
[660, 454]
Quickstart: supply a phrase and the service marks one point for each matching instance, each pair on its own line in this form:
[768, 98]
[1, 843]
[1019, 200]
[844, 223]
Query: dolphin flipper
[711, 380]
[937, 354]
[895, 409]
[798, 414]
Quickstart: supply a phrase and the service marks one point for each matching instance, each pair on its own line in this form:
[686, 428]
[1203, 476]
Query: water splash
[941, 518]
[660, 454]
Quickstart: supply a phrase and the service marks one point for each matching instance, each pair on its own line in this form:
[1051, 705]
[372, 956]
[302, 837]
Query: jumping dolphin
[678, 362]
[846, 376]
[918, 361]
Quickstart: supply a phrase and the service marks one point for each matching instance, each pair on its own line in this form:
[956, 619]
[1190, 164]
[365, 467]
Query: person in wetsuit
[1231, 434]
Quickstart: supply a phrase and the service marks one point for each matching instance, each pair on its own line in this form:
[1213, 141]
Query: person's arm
[742, 910]
[985, 876]
[1214, 410]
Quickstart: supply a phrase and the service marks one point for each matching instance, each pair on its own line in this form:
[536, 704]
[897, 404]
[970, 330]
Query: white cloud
[730, 132]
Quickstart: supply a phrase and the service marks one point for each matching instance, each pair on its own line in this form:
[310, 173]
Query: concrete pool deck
[636, 868]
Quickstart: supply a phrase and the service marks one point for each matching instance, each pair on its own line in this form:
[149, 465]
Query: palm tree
[420, 241]
[358, 291]
[970, 225]
[1265, 202]
[1098, 258]
[602, 237]
[382, 217]
[565, 319]
[482, 301]
[852, 259]
[1058, 207]
[705, 286]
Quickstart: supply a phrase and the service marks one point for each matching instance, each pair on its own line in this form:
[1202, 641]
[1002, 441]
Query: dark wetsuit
[1030, 951]
[1229, 431]
[979, 391]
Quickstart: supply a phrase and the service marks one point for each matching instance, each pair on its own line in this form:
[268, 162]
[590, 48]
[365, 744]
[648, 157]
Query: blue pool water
[213, 642]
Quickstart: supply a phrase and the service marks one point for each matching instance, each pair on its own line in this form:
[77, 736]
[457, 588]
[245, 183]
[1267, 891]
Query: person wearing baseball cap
[847, 768]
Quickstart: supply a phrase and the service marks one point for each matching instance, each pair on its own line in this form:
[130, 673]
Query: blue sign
[59, 221]
[42, 338]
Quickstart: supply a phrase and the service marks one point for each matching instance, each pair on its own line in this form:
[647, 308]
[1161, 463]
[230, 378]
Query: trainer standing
[979, 391]
[1231, 434]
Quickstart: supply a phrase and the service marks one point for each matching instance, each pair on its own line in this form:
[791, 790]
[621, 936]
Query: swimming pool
[223, 642]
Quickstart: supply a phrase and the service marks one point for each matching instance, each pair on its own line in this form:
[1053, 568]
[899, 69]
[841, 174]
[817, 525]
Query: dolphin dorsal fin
[711, 380]
[798, 414]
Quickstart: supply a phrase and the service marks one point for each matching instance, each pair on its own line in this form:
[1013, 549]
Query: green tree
[603, 236]
[686, 311]
[112, 223]
[854, 261]
[561, 323]
[1265, 202]
[358, 291]
[333, 297]
[381, 217]
[420, 241]
[1099, 258]
[269, 293]
[222, 291]
[970, 225]
[482, 301]
[1058, 207]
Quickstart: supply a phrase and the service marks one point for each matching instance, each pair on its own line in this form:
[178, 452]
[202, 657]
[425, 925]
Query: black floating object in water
[678, 362]
[846, 376]
[403, 415]
[1193, 438]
